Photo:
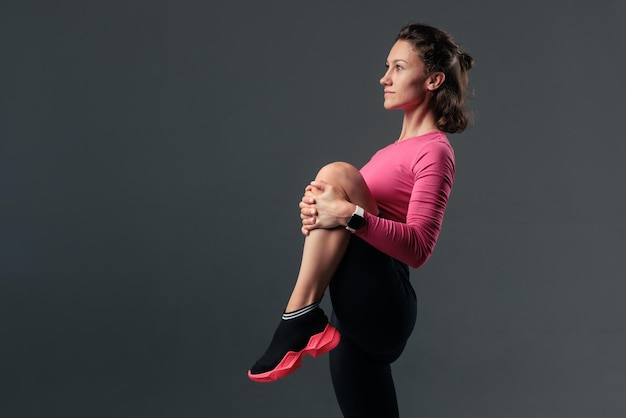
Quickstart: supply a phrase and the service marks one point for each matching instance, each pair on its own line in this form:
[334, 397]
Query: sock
[302, 311]
[291, 335]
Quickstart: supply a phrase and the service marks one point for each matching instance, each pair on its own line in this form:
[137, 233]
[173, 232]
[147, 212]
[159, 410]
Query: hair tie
[465, 60]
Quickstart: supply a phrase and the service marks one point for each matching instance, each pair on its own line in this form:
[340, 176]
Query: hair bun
[467, 62]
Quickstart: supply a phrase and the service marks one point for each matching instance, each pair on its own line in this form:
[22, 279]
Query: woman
[365, 228]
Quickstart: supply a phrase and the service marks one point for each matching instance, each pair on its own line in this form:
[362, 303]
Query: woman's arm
[411, 242]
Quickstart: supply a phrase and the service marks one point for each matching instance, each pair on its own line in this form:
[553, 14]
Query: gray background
[152, 155]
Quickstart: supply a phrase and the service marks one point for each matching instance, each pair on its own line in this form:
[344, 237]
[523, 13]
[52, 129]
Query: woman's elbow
[418, 261]
[423, 250]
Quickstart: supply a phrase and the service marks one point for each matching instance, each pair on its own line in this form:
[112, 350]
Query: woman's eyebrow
[398, 60]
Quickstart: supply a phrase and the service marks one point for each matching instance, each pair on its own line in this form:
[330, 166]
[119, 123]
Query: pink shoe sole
[318, 344]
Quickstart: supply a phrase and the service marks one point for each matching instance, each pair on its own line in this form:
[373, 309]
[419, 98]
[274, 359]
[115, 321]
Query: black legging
[374, 308]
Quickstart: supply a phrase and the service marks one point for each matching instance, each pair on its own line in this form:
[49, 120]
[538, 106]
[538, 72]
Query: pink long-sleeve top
[411, 181]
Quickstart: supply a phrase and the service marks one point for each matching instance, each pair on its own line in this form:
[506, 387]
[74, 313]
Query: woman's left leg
[304, 328]
[324, 248]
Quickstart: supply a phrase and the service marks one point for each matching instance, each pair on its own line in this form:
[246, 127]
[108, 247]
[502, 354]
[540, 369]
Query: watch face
[356, 222]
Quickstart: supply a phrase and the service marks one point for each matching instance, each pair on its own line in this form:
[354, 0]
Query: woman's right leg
[374, 309]
[363, 383]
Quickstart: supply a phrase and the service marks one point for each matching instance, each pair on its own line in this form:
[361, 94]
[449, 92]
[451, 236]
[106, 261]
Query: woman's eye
[398, 67]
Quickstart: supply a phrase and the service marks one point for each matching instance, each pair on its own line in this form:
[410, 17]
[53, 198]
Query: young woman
[364, 228]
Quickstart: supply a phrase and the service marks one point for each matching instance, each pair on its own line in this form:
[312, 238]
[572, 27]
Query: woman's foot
[293, 339]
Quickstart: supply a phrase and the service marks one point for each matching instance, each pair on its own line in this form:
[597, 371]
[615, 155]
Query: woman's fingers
[307, 219]
[308, 208]
[307, 211]
[306, 201]
[318, 184]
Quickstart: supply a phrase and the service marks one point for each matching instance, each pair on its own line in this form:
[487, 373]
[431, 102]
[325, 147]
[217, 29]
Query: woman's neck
[416, 122]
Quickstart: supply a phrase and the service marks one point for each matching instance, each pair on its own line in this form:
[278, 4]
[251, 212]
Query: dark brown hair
[440, 53]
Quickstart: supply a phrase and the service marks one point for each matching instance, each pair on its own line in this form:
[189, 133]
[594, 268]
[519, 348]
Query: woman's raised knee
[348, 178]
[339, 172]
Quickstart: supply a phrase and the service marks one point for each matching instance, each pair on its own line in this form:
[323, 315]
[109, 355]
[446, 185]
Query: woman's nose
[384, 81]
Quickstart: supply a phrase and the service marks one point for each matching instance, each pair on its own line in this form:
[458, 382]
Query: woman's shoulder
[431, 149]
[432, 145]
[436, 142]
[427, 138]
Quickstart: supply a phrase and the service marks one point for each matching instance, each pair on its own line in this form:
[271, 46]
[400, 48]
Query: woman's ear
[435, 80]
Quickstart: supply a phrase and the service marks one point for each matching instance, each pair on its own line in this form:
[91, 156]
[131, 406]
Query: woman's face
[405, 81]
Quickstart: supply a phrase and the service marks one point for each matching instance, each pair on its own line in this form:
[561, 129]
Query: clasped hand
[323, 206]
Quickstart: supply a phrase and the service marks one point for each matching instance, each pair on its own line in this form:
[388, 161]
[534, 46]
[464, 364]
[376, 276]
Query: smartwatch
[357, 220]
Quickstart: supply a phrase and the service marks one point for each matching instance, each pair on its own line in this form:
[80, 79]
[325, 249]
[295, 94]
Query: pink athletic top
[411, 181]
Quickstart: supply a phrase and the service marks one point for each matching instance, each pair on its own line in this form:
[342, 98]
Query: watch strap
[357, 220]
